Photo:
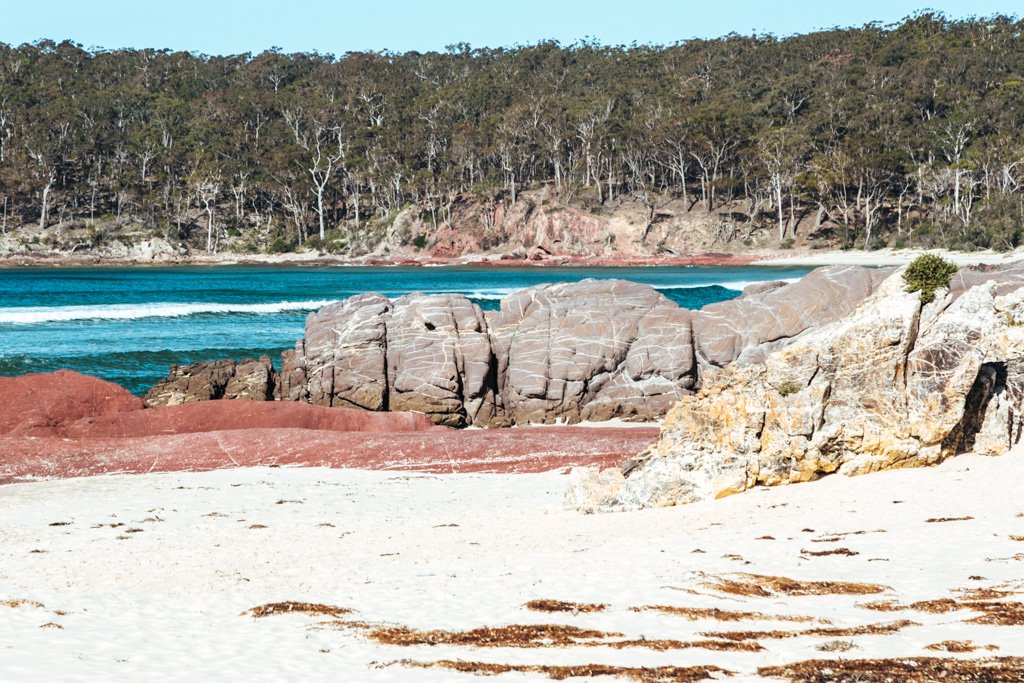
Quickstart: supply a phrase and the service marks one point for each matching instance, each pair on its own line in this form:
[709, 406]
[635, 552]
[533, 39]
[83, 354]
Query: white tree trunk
[209, 197]
[777, 191]
[320, 210]
[209, 228]
[44, 212]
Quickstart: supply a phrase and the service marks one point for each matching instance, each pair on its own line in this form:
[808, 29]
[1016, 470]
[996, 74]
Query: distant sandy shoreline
[889, 257]
[324, 260]
[779, 258]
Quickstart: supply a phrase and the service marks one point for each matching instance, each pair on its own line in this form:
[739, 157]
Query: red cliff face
[65, 425]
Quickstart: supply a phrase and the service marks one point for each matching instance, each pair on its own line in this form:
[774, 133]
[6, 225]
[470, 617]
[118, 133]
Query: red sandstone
[70, 425]
[40, 405]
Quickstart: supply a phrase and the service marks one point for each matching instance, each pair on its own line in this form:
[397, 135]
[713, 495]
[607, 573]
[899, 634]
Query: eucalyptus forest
[895, 134]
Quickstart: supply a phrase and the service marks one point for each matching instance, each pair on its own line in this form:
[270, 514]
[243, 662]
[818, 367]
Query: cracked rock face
[591, 350]
[765, 318]
[893, 384]
[342, 360]
[440, 359]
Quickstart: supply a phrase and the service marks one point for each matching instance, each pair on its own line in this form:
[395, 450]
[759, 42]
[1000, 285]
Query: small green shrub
[420, 242]
[788, 243]
[926, 274]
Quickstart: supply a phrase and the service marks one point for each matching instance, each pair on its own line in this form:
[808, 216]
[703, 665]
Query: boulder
[893, 384]
[342, 361]
[424, 352]
[291, 381]
[591, 350]
[768, 317]
[439, 360]
[593, 489]
[247, 380]
[762, 287]
[253, 380]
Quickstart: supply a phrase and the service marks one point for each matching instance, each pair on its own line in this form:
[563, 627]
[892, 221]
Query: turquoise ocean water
[129, 325]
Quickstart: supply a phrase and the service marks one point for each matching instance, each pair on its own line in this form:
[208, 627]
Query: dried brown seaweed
[662, 674]
[910, 670]
[562, 606]
[310, 608]
[829, 632]
[757, 585]
[696, 613]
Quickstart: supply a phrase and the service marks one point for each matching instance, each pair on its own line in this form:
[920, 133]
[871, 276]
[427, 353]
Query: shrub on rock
[928, 273]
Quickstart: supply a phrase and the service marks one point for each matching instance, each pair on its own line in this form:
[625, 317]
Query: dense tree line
[905, 132]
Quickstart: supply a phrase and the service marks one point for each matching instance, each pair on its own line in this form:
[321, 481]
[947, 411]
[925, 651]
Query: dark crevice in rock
[461, 416]
[908, 348]
[272, 380]
[825, 397]
[991, 380]
[385, 397]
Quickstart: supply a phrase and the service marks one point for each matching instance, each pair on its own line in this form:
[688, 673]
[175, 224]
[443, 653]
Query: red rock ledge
[65, 424]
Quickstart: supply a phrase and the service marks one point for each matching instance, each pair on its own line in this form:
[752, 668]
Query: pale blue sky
[338, 26]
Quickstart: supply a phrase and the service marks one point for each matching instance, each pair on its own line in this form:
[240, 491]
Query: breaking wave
[495, 294]
[738, 285]
[43, 314]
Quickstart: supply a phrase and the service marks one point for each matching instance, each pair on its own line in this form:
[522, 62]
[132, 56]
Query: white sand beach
[147, 577]
[889, 257]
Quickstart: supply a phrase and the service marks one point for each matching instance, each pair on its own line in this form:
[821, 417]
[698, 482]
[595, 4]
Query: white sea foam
[43, 314]
[738, 285]
[497, 293]
[493, 294]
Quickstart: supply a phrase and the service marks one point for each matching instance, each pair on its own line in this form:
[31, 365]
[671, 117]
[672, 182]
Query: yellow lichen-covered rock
[894, 384]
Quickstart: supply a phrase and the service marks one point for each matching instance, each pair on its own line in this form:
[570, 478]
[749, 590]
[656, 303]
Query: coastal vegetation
[906, 135]
[928, 273]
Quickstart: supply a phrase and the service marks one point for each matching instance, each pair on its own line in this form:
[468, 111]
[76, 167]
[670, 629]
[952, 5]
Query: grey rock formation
[590, 350]
[893, 384]
[440, 360]
[342, 360]
[748, 328]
